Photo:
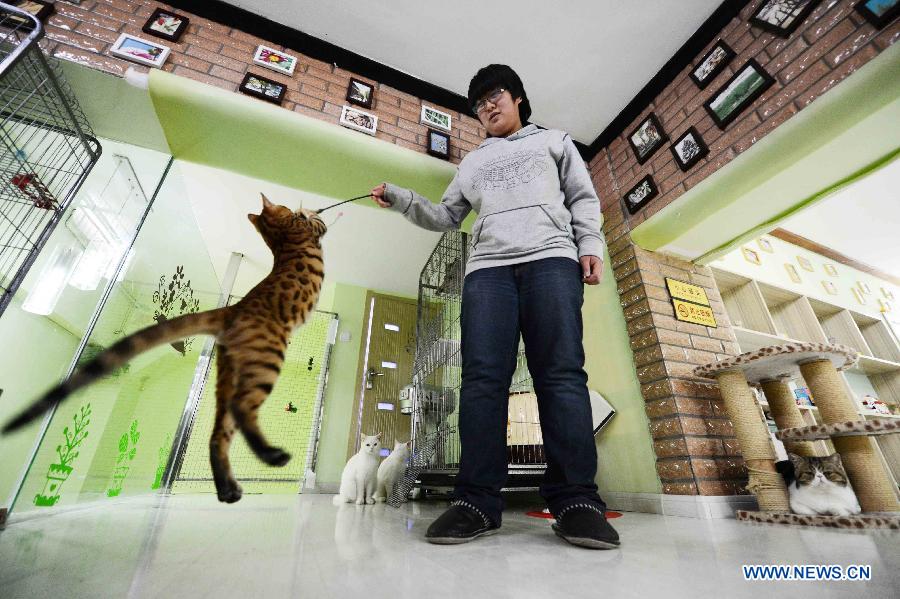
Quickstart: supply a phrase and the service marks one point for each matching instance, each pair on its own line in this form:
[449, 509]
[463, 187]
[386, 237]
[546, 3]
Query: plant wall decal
[59, 472]
[175, 299]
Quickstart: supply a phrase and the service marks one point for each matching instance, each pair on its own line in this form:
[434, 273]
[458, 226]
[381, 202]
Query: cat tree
[818, 363]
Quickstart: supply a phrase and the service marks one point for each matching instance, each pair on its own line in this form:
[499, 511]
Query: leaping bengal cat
[251, 337]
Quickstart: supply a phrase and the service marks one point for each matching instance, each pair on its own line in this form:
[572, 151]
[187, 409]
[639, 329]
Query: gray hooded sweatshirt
[533, 196]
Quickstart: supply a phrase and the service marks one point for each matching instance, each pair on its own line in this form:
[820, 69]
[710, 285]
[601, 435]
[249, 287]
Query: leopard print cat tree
[819, 364]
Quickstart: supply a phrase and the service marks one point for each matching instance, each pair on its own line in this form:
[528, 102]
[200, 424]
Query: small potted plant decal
[164, 452]
[127, 451]
[175, 299]
[59, 472]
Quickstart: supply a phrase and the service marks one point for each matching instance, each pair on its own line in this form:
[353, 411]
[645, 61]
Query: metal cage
[436, 382]
[47, 147]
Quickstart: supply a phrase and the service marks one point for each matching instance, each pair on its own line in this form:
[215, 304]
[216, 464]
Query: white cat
[359, 476]
[819, 485]
[391, 470]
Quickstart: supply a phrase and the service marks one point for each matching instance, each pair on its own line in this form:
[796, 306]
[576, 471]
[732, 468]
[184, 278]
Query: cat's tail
[201, 323]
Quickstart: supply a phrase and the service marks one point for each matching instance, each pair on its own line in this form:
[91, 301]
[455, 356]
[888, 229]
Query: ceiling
[594, 50]
[375, 249]
[860, 221]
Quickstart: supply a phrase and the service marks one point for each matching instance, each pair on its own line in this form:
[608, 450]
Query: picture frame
[712, 63]
[275, 60]
[887, 293]
[830, 287]
[884, 305]
[689, 149]
[137, 49]
[438, 144]
[433, 117]
[805, 264]
[859, 296]
[830, 270]
[751, 256]
[747, 84]
[360, 93]
[647, 138]
[782, 17]
[765, 245]
[639, 195]
[864, 288]
[40, 9]
[262, 88]
[353, 118]
[793, 275]
[166, 25]
[879, 12]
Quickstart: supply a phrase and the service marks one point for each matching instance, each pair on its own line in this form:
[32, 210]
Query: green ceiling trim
[227, 130]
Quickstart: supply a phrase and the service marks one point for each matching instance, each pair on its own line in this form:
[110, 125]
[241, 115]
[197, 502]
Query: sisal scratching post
[786, 414]
[753, 435]
[870, 482]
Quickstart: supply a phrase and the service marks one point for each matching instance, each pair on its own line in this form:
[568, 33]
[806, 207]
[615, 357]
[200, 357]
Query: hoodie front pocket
[516, 231]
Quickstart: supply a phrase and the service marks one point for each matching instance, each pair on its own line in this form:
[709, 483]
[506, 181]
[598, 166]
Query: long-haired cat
[390, 470]
[251, 337]
[359, 475]
[818, 485]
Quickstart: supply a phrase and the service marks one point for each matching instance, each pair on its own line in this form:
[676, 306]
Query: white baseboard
[688, 506]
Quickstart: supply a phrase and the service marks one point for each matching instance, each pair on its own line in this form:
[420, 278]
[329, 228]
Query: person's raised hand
[378, 196]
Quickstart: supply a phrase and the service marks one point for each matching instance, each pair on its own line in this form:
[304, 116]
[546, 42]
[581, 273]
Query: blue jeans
[541, 300]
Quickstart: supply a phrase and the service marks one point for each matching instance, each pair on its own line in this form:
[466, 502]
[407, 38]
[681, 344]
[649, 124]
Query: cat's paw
[230, 492]
[275, 456]
[360, 502]
[370, 500]
[380, 499]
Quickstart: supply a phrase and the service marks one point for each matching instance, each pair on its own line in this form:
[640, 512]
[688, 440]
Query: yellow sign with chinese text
[687, 292]
[695, 313]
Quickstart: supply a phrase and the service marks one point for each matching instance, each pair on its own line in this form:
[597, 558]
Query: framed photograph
[438, 144]
[864, 288]
[647, 138]
[271, 58]
[140, 50]
[884, 305]
[805, 264]
[765, 245]
[781, 17]
[879, 12]
[638, 196]
[830, 287]
[792, 273]
[751, 256]
[165, 24]
[262, 88]
[435, 118]
[360, 93]
[38, 8]
[887, 293]
[747, 84]
[689, 149]
[859, 296]
[359, 120]
[830, 270]
[712, 64]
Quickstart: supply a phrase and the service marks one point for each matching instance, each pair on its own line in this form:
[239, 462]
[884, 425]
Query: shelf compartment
[792, 315]
[745, 305]
[839, 324]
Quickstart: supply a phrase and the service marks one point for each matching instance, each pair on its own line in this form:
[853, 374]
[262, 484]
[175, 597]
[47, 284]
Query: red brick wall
[692, 435]
[220, 56]
[831, 44]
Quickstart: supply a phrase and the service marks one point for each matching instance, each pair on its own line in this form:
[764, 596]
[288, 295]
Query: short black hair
[489, 78]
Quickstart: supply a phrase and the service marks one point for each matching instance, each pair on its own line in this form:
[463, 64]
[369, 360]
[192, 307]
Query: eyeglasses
[492, 97]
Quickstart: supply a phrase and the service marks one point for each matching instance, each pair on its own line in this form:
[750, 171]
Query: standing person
[536, 241]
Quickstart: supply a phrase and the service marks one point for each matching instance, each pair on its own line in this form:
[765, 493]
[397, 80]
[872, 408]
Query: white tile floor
[303, 546]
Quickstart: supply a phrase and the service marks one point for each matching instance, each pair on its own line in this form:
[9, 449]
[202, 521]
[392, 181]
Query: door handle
[370, 374]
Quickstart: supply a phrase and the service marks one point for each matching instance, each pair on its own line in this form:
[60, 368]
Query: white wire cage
[47, 146]
[432, 399]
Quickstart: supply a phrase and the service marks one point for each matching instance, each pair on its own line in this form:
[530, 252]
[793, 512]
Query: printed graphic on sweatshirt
[510, 171]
